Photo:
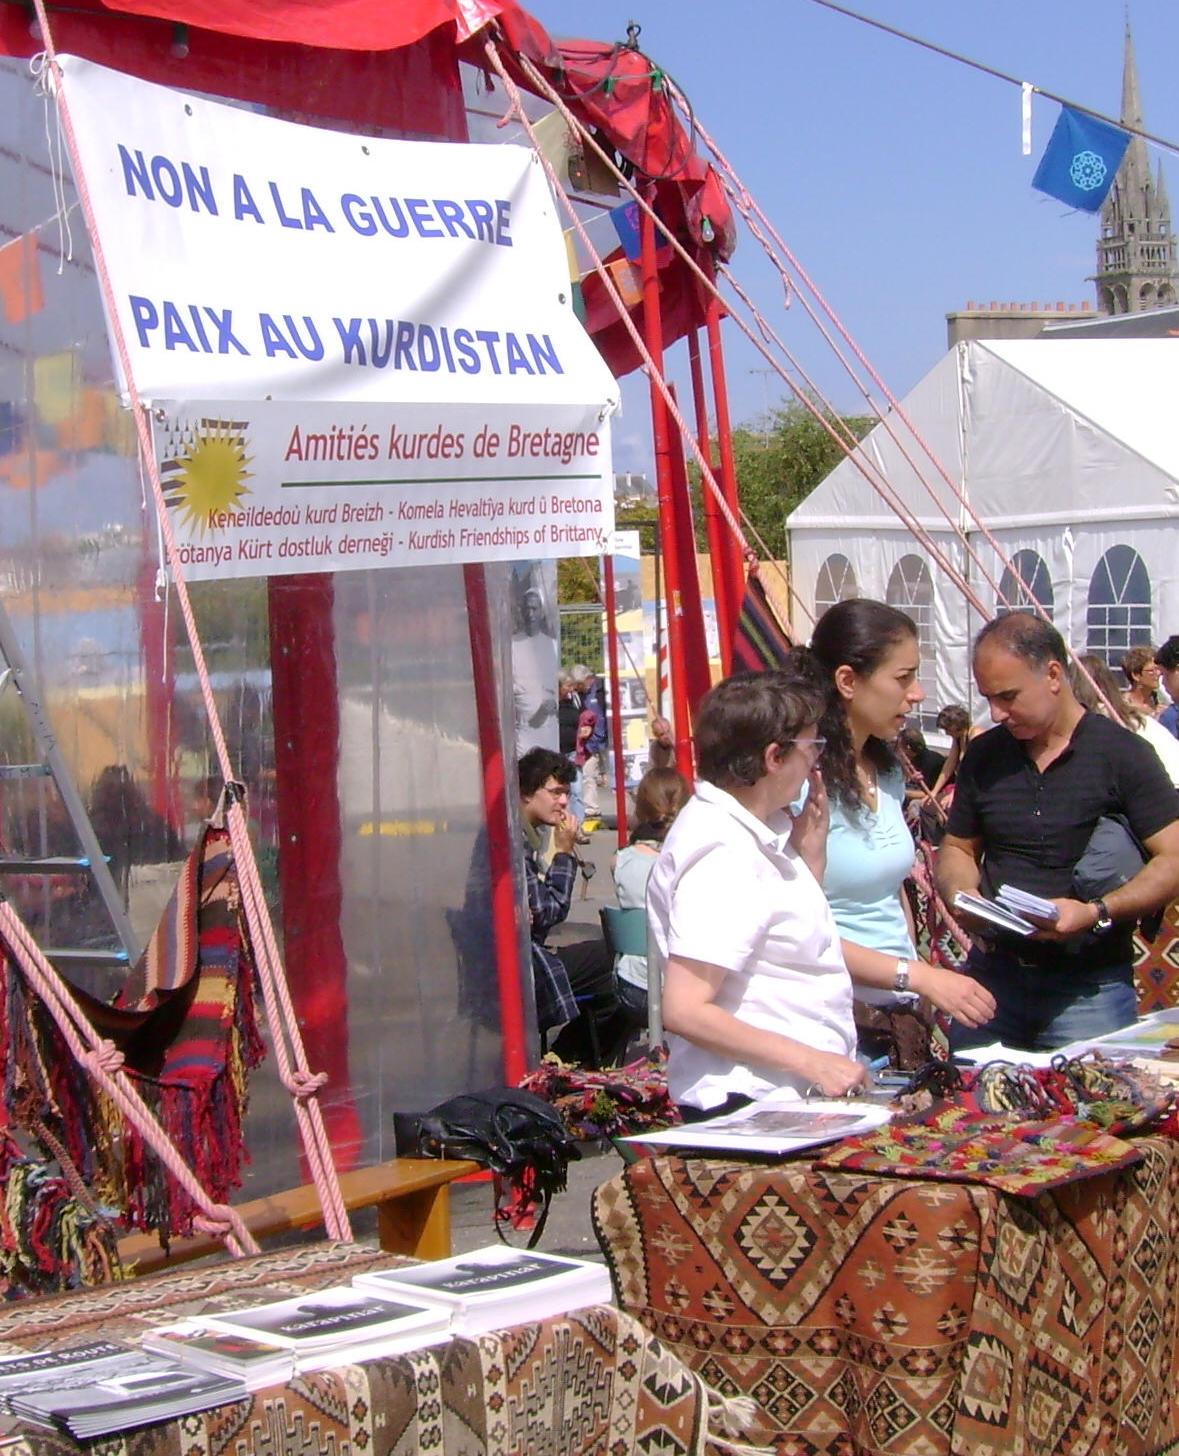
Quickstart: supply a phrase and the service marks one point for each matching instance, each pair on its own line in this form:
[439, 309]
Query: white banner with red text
[269, 488]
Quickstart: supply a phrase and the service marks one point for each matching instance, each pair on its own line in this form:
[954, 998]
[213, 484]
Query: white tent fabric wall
[1068, 451]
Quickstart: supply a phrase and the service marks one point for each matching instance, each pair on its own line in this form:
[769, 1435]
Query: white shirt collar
[761, 831]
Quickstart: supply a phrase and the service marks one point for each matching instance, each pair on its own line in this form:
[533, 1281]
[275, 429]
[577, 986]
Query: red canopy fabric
[347, 25]
[414, 88]
[621, 92]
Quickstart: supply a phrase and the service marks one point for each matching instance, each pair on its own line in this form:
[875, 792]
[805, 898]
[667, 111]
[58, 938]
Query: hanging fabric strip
[1025, 101]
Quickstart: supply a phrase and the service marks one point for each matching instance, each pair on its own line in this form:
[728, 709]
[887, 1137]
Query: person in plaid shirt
[586, 968]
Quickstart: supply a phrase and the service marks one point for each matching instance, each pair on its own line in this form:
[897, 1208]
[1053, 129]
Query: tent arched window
[1119, 615]
[836, 583]
[1025, 586]
[910, 587]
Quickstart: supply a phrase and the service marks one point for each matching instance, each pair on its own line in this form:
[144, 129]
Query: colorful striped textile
[186, 1025]
[760, 642]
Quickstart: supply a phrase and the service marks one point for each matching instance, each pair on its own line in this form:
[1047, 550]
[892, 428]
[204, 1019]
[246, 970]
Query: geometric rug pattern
[885, 1317]
[1156, 969]
[590, 1383]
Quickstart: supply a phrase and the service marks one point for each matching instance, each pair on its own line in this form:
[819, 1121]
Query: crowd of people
[780, 925]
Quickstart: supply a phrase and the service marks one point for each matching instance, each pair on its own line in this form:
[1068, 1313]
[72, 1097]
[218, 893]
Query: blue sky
[894, 174]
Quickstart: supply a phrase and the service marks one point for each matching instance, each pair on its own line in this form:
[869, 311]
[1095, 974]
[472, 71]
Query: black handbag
[1112, 858]
[519, 1136]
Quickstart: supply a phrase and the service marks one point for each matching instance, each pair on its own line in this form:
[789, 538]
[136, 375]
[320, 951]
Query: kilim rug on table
[886, 1317]
[591, 1382]
[1156, 966]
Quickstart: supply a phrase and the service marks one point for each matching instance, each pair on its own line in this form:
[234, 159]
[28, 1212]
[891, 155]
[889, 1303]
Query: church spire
[1135, 252]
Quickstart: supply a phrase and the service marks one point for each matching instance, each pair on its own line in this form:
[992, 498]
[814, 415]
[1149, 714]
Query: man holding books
[1031, 794]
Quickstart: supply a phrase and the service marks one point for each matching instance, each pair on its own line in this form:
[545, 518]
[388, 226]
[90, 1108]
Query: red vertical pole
[615, 700]
[500, 849]
[724, 436]
[714, 522]
[653, 337]
[311, 837]
[699, 678]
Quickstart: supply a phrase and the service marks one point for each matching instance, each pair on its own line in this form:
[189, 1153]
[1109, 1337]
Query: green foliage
[779, 465]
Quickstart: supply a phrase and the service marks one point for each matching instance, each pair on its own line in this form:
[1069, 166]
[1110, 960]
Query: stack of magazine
[496, 1286]
[1009, 909]
[99, 1387]
[214, 1359]
[774, 1126]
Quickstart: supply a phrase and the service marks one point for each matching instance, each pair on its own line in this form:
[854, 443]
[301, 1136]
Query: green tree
[779, 463]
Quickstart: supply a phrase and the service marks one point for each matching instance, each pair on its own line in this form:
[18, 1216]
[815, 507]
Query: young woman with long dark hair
[869, 652]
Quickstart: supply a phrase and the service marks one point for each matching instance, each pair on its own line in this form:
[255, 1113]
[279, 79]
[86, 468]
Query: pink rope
[810, 398]
[749, 208]
[805, 399]
[104, 1062]
[271, 977]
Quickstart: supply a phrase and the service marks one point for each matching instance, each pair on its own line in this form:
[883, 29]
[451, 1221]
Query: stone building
[1136, 249]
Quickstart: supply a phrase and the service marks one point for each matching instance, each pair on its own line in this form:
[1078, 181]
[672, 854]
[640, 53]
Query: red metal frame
[724, 435]
[715, 524]
[615, 699]
[653, 337]
[501, 852]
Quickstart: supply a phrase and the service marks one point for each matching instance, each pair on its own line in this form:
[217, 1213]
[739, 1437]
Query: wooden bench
[411, 1196]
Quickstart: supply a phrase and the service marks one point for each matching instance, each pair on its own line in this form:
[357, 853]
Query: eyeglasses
[558, 791]
[817, 744]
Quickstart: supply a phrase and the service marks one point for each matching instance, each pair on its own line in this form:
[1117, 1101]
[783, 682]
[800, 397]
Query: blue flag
[628, 225]
[1081, 160]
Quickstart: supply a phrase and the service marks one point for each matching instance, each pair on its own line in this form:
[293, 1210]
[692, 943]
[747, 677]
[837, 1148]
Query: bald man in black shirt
[1030, 794]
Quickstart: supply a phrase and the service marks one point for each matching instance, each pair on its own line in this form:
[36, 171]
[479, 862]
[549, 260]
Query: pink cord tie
[218, 1221]
[302, 1084]
[105, 1057]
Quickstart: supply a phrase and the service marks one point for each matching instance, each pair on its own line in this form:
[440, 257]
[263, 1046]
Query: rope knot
[105, 1057]
[303, 1084]
[217, 1221]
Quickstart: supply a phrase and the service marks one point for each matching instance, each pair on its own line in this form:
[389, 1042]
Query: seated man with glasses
[566, 976]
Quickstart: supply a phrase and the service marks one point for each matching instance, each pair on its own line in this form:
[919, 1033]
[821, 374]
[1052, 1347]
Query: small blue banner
[1081, 160]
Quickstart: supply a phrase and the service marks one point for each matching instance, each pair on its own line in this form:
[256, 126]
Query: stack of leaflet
[94, 1389]
[256, 1365]
[336, 1326]
[776, 1125]
[1009, 910]
[496, 1286]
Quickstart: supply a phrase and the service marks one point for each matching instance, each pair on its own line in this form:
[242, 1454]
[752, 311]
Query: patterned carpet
[1156, 971]
[874, 1317]
[594, 1383]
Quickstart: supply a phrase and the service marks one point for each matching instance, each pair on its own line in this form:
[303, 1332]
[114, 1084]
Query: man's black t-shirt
[1034, 826]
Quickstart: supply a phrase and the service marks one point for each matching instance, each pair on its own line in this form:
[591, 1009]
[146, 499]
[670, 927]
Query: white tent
[1068, 452]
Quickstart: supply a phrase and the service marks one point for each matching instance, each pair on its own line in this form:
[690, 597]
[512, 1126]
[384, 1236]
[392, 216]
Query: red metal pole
[724, 435]
[699, 677]
[653, 337]
[714, 522]
[500, 849]
[615, 700]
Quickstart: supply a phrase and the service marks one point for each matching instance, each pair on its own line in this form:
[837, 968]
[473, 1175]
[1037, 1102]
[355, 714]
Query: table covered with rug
[590, 1382]
[870, 1314]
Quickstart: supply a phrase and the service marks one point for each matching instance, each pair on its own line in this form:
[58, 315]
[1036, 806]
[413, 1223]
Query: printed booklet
[93, 1397]
[188, 1341]
[777, 1124]
[984, 909]
[496, 1286]
[341, 1321]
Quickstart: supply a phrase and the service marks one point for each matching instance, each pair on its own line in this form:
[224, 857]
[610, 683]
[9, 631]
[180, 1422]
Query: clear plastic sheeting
[366, 803]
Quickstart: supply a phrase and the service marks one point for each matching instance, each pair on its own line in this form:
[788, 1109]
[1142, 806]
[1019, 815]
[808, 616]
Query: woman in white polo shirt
[755, 994]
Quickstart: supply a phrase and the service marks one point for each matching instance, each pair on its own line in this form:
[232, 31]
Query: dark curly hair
[858, 634]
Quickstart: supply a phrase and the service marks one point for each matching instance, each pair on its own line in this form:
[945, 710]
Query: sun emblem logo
[206, 472]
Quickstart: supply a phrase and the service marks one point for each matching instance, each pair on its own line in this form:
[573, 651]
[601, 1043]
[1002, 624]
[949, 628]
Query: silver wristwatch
[901, 980]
